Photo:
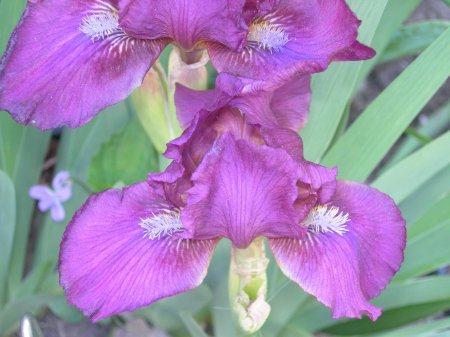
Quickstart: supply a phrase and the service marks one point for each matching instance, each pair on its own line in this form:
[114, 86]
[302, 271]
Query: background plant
[385, 146]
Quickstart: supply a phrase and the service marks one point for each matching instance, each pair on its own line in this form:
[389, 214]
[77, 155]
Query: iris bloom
[232, 178]
[287, 37]
[53, 198]
[69, 59]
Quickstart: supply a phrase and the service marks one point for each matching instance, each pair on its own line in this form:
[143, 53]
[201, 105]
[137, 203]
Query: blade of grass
[408, 175]
[418, 330]
[431, 192]
[333, 89]
[413, 39]
[24, 150]
[371, 136]
[423, 291]
[194, 329]
[432, 126]
[7, 227]
[396, 12]
[389, 320]
[10, 12]
[426, 252]
[435, 215]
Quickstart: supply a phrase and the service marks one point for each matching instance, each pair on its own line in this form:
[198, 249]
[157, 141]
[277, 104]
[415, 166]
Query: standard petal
[242, 191]
[190, 148]
[189, 102]
[44, 195]
[285, 139]
[317, 184]
[186, 22]
[286, 106]
[346, 267]
[291, 37]
[67, 60]
[112, 261]
[320, 180]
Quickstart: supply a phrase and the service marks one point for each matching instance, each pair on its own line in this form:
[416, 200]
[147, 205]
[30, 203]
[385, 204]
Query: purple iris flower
[53, 198]
[69, 59]
[287, 37]
[232, 178]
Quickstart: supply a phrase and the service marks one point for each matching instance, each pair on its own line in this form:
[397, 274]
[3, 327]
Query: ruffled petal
[190, 102]
[121, 252]
[242, 191]
[285, 106]
[317, 184]
[349, 257]
[67, 60]
[189, 149]
[294, 36]
[320, 180]
[285, 139]
[187, 23]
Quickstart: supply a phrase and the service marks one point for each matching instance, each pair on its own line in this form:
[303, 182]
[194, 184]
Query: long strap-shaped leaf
[194, 329]
[431, 328]
[9, 14]
[408, 175]
[333, 89]
[435, 215]
[368, 140]
[7, 227]
[424, 291]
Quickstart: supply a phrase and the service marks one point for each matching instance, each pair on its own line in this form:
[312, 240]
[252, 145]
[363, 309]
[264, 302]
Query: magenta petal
[317, 184]
[345, 271]
[286, 106]
[288, 37]
[189, 102]
[186, 22]
[242, 191]
[107, 266]
[285, 139]
[57, 72]
[188, 149]
[320, 179]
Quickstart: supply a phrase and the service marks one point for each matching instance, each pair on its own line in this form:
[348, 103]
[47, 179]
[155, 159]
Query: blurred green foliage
[127, 157]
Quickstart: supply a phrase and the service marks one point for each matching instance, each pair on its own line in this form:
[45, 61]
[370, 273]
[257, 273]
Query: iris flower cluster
[237, 170]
